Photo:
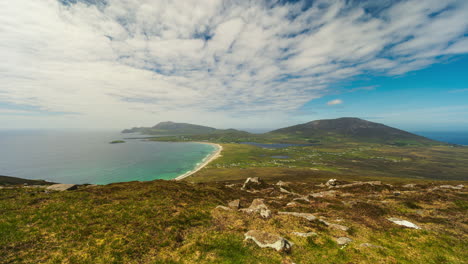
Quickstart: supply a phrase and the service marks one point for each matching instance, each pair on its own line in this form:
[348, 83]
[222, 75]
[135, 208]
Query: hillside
[172, 128]
[349, 221]
[348, 128]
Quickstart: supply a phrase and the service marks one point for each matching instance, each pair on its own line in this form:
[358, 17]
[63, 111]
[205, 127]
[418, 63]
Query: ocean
[87, 157]
[459, 138]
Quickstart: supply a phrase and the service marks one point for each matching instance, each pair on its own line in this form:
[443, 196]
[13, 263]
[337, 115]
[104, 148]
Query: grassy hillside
[178, 222]
[350, 129]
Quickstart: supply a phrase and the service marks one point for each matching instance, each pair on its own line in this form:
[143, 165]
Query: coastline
[205, 162]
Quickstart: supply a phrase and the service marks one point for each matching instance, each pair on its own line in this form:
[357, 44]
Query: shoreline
[205, 162]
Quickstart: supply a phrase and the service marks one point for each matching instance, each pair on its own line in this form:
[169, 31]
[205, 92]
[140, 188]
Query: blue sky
[225, 63]
[432, 99]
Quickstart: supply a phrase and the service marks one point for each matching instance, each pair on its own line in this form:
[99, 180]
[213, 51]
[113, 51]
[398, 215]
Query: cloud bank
[130, 62]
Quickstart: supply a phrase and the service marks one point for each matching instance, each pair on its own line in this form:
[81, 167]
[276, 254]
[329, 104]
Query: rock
[265, 213]
[396, 193]
[283, 184]
[285, 191]
[253, 183]
[458, 187]
[343, 241]
[372, 183]
[369, 245]
[308, 234]
[268, 240]
[410, 185]
[234, 204]
[258, 206]
[334, 226]
[62, 187]
[292, 204]
[403, 223]
[302, 198]
[222, 207]
[307, 216]
[324, 194]
[331, 182]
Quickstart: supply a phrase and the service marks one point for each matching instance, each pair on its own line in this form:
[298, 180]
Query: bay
[87, 157]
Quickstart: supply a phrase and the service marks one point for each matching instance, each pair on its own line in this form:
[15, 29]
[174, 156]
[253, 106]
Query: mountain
[171, 128]
[349, 128]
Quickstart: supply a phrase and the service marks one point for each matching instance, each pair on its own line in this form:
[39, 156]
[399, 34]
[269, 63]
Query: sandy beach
[207, 160]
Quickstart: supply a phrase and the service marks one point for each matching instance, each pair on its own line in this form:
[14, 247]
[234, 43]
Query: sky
[114, 64]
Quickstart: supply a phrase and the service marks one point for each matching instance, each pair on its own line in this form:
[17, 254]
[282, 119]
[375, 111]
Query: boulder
[307, 216]
[234, 204]
[334, 226]
[253, 183]
[283, 184]
[410, 185]
[343, 241]
[62, 187]
[331, 182]
[269, 240]
[402, 222]
[258, 206]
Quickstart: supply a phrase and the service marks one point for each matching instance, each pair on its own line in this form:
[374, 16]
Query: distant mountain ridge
[318, 131]
[173, 128]
[351, 128]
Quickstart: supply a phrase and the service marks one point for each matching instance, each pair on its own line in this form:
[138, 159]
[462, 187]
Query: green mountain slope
[348, 128]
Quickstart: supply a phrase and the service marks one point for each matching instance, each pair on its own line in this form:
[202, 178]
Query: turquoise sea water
[87, 157]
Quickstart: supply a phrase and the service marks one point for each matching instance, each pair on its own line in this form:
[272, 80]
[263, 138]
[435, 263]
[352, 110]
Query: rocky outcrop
[254, 183]
[402, 222]
[331, 183]
[62, 187]
[458, 187]
[258, 206]
[269, 240]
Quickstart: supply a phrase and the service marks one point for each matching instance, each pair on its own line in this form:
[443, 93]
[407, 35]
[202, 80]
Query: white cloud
[133, 62]
[335, 102]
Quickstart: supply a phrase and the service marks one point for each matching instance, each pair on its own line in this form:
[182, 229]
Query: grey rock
[307, 216]
[458, 187]
[258, 206]
[410, 185]
[269, 240]
[222, 207]
[402, 222]
[62, 187]
[253, 183]
[331, 182]
[343, 241]
[234, 204]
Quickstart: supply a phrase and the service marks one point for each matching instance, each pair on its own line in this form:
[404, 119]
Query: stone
[410, 185]
[222, 207]
[343, 241]
[265, 213]
[307, 216]
[308, 234]
[282, 183]
[403, 223]
[253, 183]
[331, 182]
[269, 240]
[258, 206]
[302, 198]
[292, 204]
[334, 226]
[324, 194]
[372, 183]
[234, 204]
[458, 187]
[62, 187]
[396, 193]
